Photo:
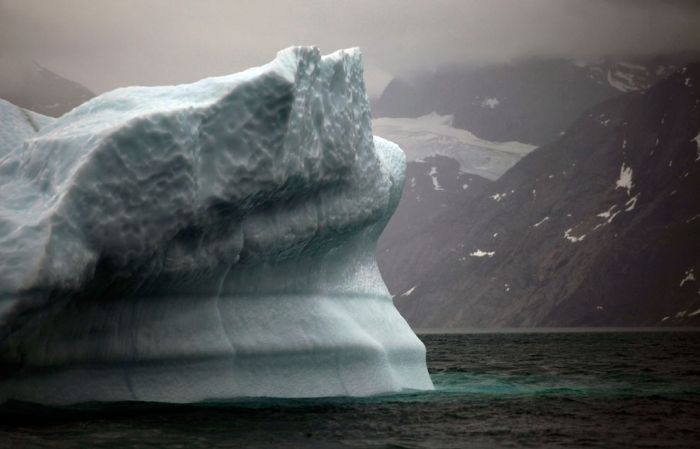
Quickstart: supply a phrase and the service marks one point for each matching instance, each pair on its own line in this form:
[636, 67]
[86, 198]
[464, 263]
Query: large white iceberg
[204, 241]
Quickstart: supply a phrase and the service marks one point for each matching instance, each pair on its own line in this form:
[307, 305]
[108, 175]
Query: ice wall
[204, 241]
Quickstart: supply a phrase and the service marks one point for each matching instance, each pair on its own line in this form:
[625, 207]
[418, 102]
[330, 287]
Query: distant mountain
[529, 101]
[635, 74]
[600, 227]
[31, 86]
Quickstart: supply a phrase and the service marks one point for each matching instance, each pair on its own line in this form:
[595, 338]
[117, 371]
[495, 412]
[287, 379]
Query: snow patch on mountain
[572, 238]
[480, 253]
[540, 222]
[433, 176]
[688, 276]
[608, 212]
[498, 197]
[409, 291]
[631, 203]
[625, 179]
[490, 103]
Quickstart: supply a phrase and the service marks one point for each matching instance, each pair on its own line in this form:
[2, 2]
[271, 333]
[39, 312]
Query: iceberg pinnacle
[204, 241]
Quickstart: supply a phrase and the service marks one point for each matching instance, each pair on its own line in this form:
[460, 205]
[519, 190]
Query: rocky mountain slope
[28, 85]
[529, 101]
[600, 227]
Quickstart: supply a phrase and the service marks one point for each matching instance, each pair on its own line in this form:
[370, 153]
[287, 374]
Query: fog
[106, 44]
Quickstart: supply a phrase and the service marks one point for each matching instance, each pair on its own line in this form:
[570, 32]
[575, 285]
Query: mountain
[600, 227]
[447, 168]
[529, 101]
[30, 86]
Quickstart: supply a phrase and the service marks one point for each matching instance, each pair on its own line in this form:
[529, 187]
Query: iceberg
[204, 241]
[17, 124]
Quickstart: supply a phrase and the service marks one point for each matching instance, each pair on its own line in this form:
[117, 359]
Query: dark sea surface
[543, 389]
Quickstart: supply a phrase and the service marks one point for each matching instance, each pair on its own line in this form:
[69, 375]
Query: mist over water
[554, 389]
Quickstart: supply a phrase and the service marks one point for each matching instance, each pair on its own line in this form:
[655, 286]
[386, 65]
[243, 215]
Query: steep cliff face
[601, 227]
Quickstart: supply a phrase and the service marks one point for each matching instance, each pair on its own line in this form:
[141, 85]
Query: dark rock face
[600, 227]
[426, 220]
[30, 86]
[530, 101]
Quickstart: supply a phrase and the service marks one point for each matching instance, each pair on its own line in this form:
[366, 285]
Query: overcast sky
[108, 43]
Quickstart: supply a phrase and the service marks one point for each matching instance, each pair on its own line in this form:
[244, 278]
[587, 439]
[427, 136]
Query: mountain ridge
[597, 228]
[529, 100]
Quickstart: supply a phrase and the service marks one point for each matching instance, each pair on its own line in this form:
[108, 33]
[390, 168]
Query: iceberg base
[243, 347]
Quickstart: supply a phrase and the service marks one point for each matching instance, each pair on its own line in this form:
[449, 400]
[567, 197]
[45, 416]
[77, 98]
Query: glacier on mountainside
[434, 135]
[203, 241]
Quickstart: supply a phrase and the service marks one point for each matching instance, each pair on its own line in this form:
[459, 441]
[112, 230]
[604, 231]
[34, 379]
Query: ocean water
[493, 390]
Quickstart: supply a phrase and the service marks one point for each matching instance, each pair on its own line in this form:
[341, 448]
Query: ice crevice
[211, 240]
